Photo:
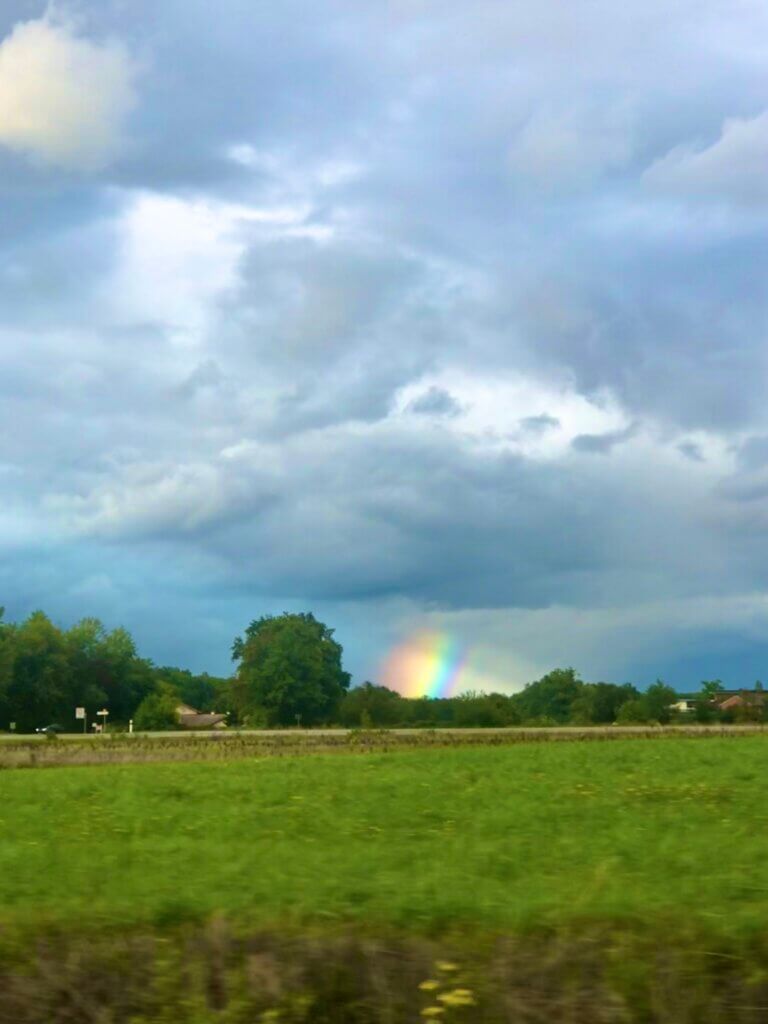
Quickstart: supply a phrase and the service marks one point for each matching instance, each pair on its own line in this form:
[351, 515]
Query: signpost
[80, 714]
[103, 713]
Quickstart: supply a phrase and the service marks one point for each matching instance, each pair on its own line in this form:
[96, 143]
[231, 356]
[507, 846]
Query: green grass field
[575, 881]
[519, 837]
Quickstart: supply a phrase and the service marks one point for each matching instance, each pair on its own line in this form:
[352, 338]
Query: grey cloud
[732, 168]
[386, 512]
[539, 424]
[746, 487]
[749, 483]
[335, 327]
[435, 402]
[568, 148]
[654, 316]
[691, 451]
[603, 444]
[205, 376]
[753, 452]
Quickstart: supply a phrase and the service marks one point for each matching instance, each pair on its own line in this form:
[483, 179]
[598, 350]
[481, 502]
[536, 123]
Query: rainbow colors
[429, 664]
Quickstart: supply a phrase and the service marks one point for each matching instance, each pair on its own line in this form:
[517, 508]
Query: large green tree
[40, 689]
[659, 699]
[106, 670]
[289, 667]
[7, 658]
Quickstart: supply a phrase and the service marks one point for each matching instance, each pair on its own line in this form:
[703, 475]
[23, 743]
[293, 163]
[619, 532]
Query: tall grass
[121, 748]
[576, 882]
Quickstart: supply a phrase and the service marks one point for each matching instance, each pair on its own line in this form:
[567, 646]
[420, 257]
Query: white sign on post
[79, 712]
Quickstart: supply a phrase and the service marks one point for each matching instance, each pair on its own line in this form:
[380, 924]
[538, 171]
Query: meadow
[569, 852]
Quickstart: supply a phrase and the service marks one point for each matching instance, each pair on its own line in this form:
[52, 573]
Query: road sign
[79, 712]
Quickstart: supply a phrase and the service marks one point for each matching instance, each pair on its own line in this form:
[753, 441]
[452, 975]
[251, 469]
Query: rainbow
[428, 664]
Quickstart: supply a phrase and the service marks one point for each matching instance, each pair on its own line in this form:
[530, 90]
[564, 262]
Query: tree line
[46, 672]
[288, 672]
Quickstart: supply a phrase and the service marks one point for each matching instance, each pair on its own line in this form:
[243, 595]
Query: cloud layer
[417, 316]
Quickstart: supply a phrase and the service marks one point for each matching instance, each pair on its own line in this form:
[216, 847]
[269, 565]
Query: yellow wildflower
[432, 1011]
[429, 985]
[446, 966]
[458, 997]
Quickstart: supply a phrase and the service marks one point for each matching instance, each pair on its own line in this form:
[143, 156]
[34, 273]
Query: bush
[157, 712]
[633, 712]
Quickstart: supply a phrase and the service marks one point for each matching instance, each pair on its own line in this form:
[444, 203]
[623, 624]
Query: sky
[445, 321]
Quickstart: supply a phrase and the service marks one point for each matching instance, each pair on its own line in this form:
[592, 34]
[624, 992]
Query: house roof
[754, 697]
[185, 709]
[721, 695]
[197, 720]
[191, 718]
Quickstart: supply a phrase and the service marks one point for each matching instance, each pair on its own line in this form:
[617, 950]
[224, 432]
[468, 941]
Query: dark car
[51, 730]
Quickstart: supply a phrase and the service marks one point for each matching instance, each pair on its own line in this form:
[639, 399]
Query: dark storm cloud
[380, 513]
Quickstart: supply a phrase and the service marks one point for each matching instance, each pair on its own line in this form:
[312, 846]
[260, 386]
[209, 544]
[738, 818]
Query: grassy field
[662, 841]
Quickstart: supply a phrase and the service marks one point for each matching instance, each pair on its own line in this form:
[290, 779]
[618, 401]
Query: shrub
[157, 712]
[633, 712]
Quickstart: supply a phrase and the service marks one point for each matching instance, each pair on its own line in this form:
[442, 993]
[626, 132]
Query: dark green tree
[549, 698]
[203, 692]
[599, 703]
[658, 699]
[371, 705]
[40, 690]
[107, 670]
[7, 658]
[484, 710]
[290, 666]
[633, 712]
[710, 688]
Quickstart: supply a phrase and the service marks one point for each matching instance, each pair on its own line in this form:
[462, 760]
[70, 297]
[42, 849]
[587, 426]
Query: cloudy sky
[422, 315]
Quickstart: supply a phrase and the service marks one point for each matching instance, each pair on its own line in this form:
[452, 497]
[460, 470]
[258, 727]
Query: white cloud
[175, 256]
[63, 99]
[732, 168]
[490, 409]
